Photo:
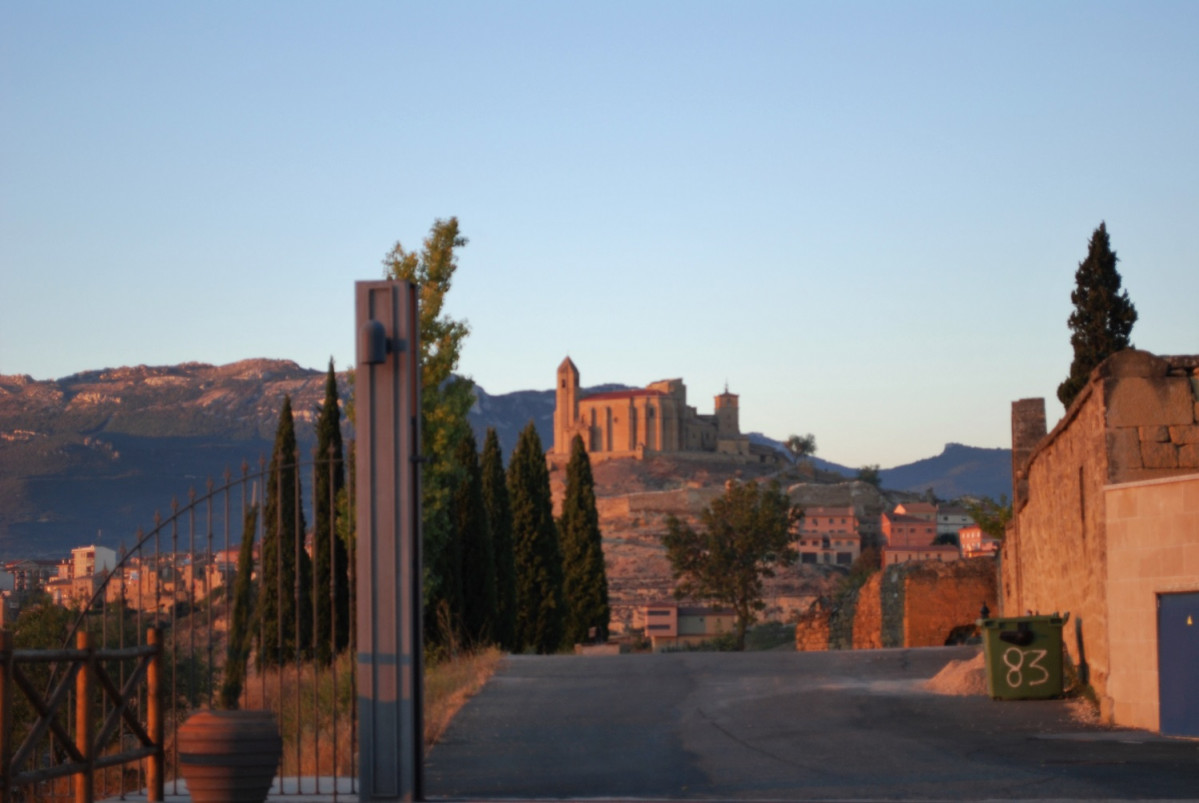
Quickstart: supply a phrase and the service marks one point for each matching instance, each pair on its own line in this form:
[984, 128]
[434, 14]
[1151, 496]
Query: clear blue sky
[865, 217]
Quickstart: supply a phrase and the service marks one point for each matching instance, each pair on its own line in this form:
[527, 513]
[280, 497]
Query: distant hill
[958, 471]
[95, 454]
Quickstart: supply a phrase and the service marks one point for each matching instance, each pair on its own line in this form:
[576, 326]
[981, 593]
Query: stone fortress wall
[923, 604]
[1132, 428]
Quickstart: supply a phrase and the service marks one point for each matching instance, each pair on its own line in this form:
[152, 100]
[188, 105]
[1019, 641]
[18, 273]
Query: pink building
[829, 535]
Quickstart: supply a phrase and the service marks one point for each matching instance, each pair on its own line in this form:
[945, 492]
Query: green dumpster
[1023, 656]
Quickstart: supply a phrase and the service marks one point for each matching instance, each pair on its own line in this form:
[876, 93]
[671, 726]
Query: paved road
[784, 726]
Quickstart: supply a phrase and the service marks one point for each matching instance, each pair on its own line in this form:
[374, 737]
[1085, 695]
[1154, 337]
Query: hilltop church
[646, 421]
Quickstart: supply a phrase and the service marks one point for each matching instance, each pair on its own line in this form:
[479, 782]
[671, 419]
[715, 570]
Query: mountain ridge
[101, 450]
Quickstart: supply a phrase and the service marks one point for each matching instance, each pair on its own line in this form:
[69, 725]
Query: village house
[974, 544]
[829, 535]
[910, 533]
[669, 624]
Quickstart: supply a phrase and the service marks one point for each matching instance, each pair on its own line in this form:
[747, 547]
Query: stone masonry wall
[908, 605]
[811, 631]
[940, 597]
[840, 622]
[1055, 557]
[891, 603]
[868, 618]
[1136, 420]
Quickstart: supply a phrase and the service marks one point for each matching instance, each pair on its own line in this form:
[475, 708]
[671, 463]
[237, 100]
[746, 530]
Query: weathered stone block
[1154, 434]
[1132, 363]
[1123, 451]
[1159, 455]
[1136, 401]
[1188, 455]
[1182, 435]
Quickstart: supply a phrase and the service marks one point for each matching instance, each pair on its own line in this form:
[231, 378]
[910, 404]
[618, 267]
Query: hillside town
[826, 536]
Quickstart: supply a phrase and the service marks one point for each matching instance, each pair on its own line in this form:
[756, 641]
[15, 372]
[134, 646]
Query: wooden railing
[52, 744]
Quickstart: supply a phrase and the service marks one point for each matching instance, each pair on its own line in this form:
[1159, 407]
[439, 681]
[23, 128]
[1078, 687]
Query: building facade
[645, 421]
[829, 535]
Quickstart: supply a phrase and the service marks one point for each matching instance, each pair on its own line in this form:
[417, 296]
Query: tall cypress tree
[537, 555]
[241, 619]
[499, 519]
[1103, 314]
[584, 579]
[332, 561]
[478, 554]
[286, 567]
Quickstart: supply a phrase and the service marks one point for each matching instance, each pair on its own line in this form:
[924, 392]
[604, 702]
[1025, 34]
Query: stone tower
[727, 419]
[566, 410]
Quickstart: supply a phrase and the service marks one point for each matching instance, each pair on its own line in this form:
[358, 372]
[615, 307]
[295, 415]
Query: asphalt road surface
[784, 726]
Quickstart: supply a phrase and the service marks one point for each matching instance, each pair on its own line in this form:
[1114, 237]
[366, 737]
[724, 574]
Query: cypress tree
[478, 554]
[241, 619]
[284, 560]
[499, 519]
[1103, 314]
[536, 553]
[584, 579]
[332, 562]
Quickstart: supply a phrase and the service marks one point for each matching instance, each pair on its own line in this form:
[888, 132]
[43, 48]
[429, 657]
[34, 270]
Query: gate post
[388, 563]
[6, 724]
[154, 720]
[83, 720]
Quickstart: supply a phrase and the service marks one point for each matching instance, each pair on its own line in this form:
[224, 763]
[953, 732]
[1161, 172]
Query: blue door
[1178, 663]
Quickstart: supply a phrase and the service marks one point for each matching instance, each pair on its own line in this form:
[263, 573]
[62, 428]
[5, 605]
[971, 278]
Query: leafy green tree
[499, 519]
[445, 399]
[801, 447]
[1102, 318]
[584, 578]
[746, 533]
[331, 559]
[286, 591]
[536, 552]
[237, 651]
[991, 516]
[871, 474]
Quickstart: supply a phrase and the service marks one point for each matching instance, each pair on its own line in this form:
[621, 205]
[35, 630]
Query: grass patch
[449, 683]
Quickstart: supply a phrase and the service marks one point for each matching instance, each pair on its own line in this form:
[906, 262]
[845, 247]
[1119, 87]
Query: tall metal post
[388, 565]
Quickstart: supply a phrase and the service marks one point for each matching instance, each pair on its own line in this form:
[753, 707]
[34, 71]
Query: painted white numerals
[1016, 661]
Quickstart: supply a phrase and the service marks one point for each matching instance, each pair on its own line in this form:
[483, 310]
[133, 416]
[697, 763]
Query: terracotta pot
[229, 756]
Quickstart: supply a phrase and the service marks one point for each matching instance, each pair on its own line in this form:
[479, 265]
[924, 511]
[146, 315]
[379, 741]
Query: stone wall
[940, 597]
[909, 605]
[868, 617]
[1136, 420]
[811, 631]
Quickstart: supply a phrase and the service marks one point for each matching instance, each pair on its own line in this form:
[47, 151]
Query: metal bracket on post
[390, 646]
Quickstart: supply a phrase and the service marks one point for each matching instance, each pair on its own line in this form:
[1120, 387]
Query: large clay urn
[229, 756]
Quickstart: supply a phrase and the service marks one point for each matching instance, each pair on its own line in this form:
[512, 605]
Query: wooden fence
[55, 742]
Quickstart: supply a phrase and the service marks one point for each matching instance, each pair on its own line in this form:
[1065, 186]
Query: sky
[864, 218]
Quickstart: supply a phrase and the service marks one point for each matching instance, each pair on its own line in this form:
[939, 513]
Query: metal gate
[1178, 663]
